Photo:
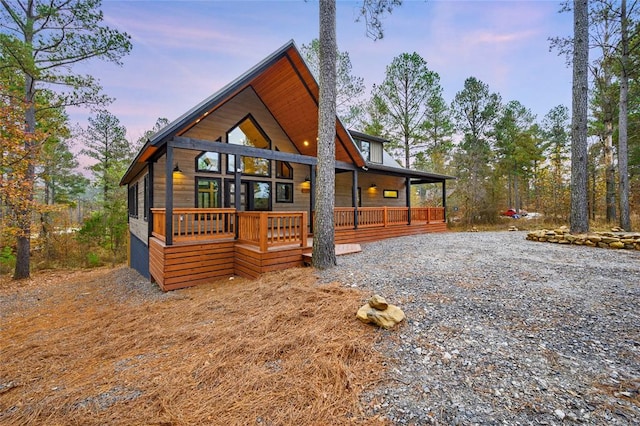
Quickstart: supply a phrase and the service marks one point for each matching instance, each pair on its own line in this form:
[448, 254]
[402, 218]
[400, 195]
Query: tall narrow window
[133, 200]
[208, 193]
[145, 206]
[248, 133]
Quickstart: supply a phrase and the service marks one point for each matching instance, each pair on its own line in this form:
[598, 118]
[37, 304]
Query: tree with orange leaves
[42, 42]
[16, 157]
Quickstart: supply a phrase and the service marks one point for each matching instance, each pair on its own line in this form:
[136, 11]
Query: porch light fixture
[305, 186]
[305, 143]
[373, 186]
[176, 169]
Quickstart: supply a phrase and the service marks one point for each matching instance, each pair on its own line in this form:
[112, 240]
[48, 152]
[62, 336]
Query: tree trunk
[516, 196]
[324, 250]
[407, 151]
[610, 173]
[510, 198]
[579, 208]
[23, 243]
[623, 158]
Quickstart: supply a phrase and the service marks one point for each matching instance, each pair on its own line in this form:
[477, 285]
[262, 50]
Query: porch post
[444, 198]
[150, 201]
[236, 194]
[354, 198]
[236, 190]
[408, 195]
[312, 194]
[168, 195]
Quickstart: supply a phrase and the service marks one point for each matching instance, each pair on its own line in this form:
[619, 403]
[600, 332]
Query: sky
[184, 51]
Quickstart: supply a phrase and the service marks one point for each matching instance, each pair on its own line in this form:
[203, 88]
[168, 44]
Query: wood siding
[375, 152]
[251, 263]
[138, 226]
[186, 265]
[371, 197]
[215, 126]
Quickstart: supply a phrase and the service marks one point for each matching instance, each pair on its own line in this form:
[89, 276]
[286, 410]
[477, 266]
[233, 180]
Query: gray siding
[138, 226]
[371, 197]
[375, 152]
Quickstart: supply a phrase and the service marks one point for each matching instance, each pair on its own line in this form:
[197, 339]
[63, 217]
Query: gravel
[503, 331]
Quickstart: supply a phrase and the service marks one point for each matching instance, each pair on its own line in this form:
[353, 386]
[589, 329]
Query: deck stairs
[341, 249]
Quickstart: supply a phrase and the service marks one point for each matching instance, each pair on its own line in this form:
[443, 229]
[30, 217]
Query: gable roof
[286, 86]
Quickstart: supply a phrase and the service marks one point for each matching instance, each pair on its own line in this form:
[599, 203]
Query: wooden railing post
[385, 216]
[303, 230]
[428, 214]
[264, 231]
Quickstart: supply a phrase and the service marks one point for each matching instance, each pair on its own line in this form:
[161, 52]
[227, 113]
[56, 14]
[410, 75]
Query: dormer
[370, 146]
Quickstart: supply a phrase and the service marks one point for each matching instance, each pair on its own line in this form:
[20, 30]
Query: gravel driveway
[501, 330]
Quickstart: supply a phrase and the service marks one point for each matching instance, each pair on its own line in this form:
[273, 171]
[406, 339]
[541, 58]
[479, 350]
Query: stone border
[613, 240]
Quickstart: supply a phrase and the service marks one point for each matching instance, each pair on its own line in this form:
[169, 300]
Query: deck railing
[376, 217]
[272, 229]
[195, 224]
[427, 214]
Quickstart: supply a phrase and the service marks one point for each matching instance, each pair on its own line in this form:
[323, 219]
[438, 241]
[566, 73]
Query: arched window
[248, 133]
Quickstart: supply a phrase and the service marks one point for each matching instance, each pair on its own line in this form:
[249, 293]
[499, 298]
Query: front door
[230, 195]
[254, 195]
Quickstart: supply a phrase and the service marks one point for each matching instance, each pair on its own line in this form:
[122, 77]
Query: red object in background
[510, 213]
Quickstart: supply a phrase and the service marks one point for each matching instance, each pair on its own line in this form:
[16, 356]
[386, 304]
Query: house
[228, 188]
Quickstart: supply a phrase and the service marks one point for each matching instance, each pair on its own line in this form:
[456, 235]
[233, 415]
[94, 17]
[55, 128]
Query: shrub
[7, 260]
[93, 260]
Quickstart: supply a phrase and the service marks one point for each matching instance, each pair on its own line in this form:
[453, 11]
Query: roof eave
[399, 171]
[194, 113]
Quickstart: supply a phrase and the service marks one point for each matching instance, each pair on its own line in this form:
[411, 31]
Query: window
[208, 195]
[365, 148]
[284, 192]
[371, 151]
[248, 133]
[260, 196]
[145, 206]
[133, 200]
[390, 193]
[208, 162]
[283, 169]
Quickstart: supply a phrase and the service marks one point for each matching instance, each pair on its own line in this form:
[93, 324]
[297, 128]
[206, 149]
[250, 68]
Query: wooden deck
[267, 241]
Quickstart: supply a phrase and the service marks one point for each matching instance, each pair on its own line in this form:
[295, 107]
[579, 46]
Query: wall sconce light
[176, 169]
[305, 186]
[373, 186]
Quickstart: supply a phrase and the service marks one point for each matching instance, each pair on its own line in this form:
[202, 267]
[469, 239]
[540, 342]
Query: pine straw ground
[96, 348]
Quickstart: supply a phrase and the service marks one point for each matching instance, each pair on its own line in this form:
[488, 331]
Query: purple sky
[184, 51]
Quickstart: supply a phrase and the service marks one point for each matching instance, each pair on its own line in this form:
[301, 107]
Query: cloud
[497, 39]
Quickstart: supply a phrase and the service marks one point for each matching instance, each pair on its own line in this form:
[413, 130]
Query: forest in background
[502, 155]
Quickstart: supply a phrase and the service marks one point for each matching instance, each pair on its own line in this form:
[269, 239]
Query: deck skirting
[186, 265]
[192, 263]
